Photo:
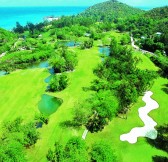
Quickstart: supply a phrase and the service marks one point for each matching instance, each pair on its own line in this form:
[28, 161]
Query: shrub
[58, 83]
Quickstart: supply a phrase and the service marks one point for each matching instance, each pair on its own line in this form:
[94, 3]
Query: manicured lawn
[20, 92]
[141, 151]
[145, 62]
[81, 77]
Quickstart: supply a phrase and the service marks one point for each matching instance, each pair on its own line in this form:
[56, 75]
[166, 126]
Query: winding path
[148, 129]
[137, 48]
[133, 44]
[3, 54]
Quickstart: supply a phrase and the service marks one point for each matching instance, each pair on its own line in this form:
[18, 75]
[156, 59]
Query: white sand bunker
[148, 130]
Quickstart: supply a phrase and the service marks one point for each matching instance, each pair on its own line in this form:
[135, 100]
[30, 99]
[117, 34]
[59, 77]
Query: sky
[153, 3]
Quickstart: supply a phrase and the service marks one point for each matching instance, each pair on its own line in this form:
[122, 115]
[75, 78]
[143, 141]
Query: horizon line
[45, 6]
[79, 6]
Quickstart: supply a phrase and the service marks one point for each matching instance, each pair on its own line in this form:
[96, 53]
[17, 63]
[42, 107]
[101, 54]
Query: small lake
[104, 50]
[49, 104]
[69, 43]
[72, 44]
[51, 71]
[48, 79]
[43, 64]
[2, 73]
[39, 125]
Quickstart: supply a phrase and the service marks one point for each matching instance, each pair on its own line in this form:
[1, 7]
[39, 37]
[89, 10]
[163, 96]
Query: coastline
[34, 14]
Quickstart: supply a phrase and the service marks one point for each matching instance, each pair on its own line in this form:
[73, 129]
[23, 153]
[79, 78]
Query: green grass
[81, 77]
[161, 97]
[145, 62]
[21, 91]
[141, 151]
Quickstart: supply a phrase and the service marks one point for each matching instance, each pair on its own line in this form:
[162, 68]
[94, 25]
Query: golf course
[88, 87]
[21, 91]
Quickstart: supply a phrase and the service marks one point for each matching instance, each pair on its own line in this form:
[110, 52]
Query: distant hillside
[6, 35]
[158, 13]
[110, 10]
[6, 39]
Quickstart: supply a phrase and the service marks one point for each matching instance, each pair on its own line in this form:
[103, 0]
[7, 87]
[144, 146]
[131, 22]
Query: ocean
[145, 7]
[10, 15]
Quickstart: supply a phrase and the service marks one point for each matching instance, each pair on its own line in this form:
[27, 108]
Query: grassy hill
[6, 35]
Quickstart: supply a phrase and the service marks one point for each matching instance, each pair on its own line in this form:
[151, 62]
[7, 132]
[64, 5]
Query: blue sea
[10, 15]
[145, 7]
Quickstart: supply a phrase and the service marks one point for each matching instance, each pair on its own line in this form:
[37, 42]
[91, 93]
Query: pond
[49, 104]
[51, 71]
[48, 79]
[2, 73]
[104, 50]
[43, 64]
[69, 43]
[39, 125]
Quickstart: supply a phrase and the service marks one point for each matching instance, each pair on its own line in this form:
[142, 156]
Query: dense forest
[110, 11]
[118, 82]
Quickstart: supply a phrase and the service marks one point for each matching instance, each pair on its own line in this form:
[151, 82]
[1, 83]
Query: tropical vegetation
[100, 92]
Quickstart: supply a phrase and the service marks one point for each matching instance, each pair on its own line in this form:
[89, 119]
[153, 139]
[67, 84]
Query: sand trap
[148, 130]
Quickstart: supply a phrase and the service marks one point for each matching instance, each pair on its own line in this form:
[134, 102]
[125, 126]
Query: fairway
[20, 93]
[54, 131]
[134, 152]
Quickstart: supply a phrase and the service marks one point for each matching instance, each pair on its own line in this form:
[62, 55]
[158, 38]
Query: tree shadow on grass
[159, 159]
[165, 89]
[161, 142]
[86, 89]
[69, 124]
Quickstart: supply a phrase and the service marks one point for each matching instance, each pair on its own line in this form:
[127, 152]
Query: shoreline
[30, 14]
